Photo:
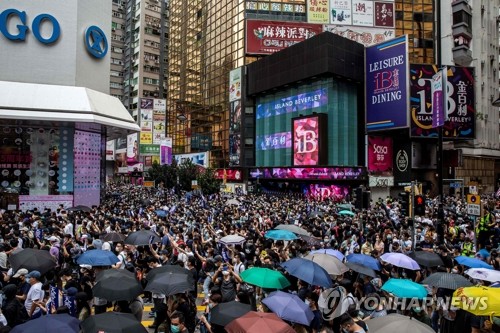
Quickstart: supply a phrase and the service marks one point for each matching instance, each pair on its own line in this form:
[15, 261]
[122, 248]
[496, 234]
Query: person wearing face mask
[348, 325]
[177, 323]
[205, 326]
[312, 301]
[227, 283]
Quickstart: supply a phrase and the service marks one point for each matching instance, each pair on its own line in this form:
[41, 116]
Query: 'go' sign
[23, 28]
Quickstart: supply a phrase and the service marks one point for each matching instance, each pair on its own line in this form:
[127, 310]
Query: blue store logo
[96, 42]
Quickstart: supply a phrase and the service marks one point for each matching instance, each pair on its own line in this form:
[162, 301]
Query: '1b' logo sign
[306, 141]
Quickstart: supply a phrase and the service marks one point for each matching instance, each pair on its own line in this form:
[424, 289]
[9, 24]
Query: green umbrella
[264, 278]
[346, 212]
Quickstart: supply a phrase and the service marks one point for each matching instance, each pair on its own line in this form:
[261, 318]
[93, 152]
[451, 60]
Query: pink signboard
[329, 173]
[331, 192]
[379, 155]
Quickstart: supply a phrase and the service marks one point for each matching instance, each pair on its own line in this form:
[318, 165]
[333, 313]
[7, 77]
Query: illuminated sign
[309, 140]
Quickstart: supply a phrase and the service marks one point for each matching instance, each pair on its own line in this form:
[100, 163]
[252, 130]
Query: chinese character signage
[318, 11]
[336, 173]
[386, 70]
[363, 35]
[235, 133]
[153, 115]
[309, 140]
[365, 13]
[438, 102]
[267, 37]
[341, 12]
[383, 15]
[459, 99]
[274, 141]
[379, 155]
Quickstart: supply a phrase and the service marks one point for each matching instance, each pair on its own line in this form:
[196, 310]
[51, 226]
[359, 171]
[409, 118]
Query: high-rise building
[117, 49]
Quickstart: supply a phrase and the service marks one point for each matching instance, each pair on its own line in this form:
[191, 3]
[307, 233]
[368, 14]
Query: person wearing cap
[23, 287]
[35, 295]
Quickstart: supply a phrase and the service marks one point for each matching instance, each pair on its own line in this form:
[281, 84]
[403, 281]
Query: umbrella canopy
[346, 206]
[447, 281]
[405, 288]
[427, 259]
[293, 228]
[233, 202]
[80, 208]
[364, 260]
[169, 269]
[308, 271]
[481, 301]
[112, 237]
[310, 240]
[289, 307]
[32, 260]
[259, 322]
[224, 313]
[117, 285]
[361, 269]
[483, 274]
[331, 264]
[232, 240]
[472, 262]
[284, 235]
[142, 237]
[112, 322]
[97, 258]
[57, 323]
[170, 283]
[400, 260]
[264, 278]
[331, 252]
[346, 212]
[397, 323]
[160, 213]
[495, 285]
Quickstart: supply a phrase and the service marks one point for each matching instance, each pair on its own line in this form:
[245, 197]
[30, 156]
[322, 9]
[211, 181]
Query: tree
[187, 171]
[208, 183]
[164, 173]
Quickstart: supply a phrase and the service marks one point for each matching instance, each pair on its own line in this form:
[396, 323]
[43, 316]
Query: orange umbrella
[258, 322]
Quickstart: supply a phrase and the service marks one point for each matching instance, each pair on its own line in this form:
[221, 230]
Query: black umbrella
[80, 208]
[170, 283]
[113, 237]
[169, 269]
[427, 259]
[117, 285]
[361, 269]
[142, 237]
[32, 260]
[310, 240]
[112, 322]
[55, 323]
[224, 313]
[446, 281]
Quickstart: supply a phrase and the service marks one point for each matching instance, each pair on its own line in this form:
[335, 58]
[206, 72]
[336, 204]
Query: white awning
[43, 102]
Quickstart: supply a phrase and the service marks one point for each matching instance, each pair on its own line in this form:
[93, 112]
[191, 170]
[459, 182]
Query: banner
[229, 174]
[379, 155]
[335, 173]
[235, 84]
[386, 68]
[110, 150]
[318, 11]
[274, 141]
[438, 85]
[402, 163]
[267, 37]
[235, 133]
[166, 151]
[363, 35]
[459, 101]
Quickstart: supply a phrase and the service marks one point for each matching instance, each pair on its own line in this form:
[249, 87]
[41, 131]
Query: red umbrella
[258, 322]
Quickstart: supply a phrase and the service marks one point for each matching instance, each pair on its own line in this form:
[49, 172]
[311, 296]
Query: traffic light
[404, 200]
[419, 204]
[358, 198]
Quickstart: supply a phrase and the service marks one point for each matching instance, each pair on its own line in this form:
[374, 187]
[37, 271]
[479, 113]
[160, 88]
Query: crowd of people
[190, 228]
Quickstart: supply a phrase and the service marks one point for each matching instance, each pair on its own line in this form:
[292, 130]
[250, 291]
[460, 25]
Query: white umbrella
[483, 274]
[293, 228]
[332, 265]
[232, 240]
[400, 260]
[233, 202]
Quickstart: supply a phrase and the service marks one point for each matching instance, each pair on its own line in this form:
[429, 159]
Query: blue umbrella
[308, 271]
[364, 260]
[484, 253]
[57, 323]
[495, 285]
[280, 235]
[405, 288]
[160, 213]
[289, 307]
[346, 212]
[472, 262]
[97, 258]
[330, 252]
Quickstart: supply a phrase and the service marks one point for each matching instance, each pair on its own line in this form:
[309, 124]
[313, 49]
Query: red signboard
[229, 174]
[379, 155]
[267, 37]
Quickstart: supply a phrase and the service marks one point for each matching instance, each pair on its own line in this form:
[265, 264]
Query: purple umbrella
[330, 252]
[289, 307]
[400, 260]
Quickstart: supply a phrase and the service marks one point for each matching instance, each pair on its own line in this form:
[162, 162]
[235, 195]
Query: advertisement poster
[274, 141]
[229, 174]
[363, 35]
[166, 152]
[147, 103]
[438, 106]
[159, 106]
[296, 103]
[341, 12]
[110, 150]
[379, 155]
[323, 192]
[235, 133]
[159, 123]
[267, 37]
[132, 149]
[200, 159]
[335, 173]
[318, 11]
[306, 141]
[386, 70]
[235, 84]
[460, 99]
[384, 15]
[146, 138]
[402, 163]
[146, 120]
[362, 13]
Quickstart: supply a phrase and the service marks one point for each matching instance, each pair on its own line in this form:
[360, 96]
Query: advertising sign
[402, 163]
[386, 68]
[318, 11]
[235, 133]
[295, 103]
[235, 84]
[308, 138]
[335, 173]
[228, 174]
[384, 15]
[362, 13]
[110, 150]
[267, 37]
[363, 35]
[341, 12]
[438, 85]
[322, 192]
[459, 99]
[166, 151]
[200, 159]
[274, 141]
[150, 150]
[379, 155]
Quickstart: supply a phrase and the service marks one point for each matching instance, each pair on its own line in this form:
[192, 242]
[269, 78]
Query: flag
[439, 98]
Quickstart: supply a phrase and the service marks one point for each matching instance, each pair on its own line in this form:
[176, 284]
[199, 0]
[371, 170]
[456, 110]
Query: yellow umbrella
[481, 301]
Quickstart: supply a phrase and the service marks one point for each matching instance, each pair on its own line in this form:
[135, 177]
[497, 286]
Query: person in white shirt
[68, 228]
[239, 267]
[35, 295]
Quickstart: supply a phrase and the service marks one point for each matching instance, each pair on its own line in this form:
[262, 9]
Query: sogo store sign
[95, 39]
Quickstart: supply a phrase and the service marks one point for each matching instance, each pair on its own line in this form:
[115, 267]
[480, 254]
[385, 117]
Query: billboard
[229, 174]
[274, 141]
[379, 155]
[318, 11]
[341, 12]
[363, 35]
[309, 140]
[235, 133]
[152, 120]
[199, 159]
[267, 37]
[235, 84]
[329, 173]
[322, 192]
[166, 151]
[294, 103]
[386, 70]
[275, 6]
[461, 108]
[402, 163]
